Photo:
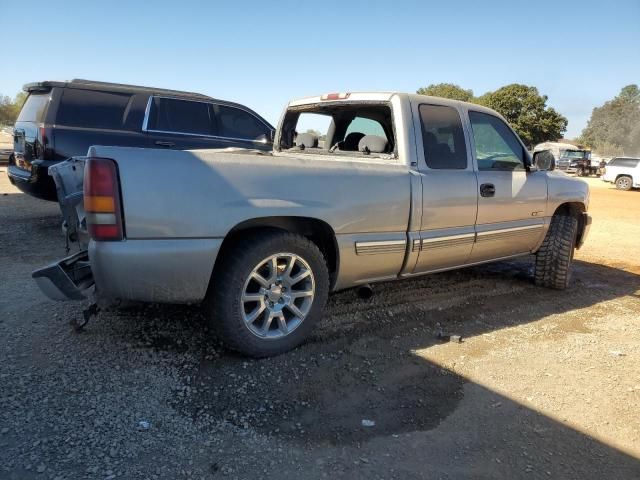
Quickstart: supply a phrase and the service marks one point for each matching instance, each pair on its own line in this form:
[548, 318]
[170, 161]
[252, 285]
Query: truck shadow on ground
[361, 364]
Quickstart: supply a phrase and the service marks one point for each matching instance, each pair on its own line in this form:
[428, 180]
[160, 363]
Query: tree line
[10, 107]
[613, 129]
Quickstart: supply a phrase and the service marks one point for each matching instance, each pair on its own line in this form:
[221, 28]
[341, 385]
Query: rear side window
[34, 108]
[236, 123]
[93, 109]
[624, 162]
[497, 147]
[442, 137]
[181, 116]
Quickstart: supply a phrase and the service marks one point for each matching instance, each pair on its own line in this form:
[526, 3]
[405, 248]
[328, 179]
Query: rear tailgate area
[69, 278]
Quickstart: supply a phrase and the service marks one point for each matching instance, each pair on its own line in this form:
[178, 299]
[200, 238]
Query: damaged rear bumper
[67, 279]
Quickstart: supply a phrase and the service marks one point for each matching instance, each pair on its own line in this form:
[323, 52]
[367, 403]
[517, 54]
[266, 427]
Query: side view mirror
[544, 160]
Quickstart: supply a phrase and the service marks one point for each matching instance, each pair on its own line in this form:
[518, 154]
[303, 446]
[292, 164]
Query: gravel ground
[545, 384]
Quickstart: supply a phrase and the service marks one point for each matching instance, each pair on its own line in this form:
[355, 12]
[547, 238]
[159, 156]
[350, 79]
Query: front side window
[180, 116]
[236, 123]
[442, 138]
[497, 147]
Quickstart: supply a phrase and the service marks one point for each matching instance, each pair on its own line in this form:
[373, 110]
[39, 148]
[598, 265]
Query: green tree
[614, 128]
[447, 90]
[527, 112]
[10, 109]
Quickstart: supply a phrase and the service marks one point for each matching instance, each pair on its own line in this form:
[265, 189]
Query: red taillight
[102, 199]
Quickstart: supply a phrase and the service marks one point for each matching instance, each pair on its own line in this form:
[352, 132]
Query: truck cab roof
[355, 97]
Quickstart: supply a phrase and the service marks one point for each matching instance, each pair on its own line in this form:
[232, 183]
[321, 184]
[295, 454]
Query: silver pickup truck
[359, 188]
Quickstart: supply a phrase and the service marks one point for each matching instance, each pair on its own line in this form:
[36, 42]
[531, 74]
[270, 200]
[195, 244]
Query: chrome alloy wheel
[277, 296]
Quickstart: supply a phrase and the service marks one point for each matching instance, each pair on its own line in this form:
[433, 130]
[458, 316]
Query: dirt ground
[546, 384]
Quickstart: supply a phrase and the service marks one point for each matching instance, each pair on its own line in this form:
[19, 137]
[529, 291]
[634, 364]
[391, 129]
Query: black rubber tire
[222, 305]
[627, 185]
[553, 259]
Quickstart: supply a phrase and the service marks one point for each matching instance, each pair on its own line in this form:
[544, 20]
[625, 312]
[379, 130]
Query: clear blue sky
[579, 53]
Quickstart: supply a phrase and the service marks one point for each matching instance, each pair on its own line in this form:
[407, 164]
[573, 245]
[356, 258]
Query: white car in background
[624, 172]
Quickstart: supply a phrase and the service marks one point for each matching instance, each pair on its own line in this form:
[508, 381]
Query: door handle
[165, 144]
[487, 190]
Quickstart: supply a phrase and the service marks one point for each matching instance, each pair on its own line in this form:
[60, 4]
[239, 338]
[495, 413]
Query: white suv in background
[624, 172]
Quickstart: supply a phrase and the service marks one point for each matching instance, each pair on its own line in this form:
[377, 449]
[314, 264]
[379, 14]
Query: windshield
[573, 154]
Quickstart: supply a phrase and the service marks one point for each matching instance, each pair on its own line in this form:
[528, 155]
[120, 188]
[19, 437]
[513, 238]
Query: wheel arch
[576, 209]
[316, 230]
[624, 175]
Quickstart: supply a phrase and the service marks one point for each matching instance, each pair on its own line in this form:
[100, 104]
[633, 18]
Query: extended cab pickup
[359, 188]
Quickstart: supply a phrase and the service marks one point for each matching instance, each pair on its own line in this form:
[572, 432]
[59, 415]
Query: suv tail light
[43, 143]
[102, 200]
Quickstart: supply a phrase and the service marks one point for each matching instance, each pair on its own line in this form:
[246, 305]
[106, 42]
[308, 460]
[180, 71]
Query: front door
[449, 190]
[512, 202]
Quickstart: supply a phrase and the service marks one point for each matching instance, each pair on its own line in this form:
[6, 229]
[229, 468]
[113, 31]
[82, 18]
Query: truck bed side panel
[170, 195]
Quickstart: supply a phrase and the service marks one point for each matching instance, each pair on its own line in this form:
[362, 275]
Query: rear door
[512, 202]
[449, 189]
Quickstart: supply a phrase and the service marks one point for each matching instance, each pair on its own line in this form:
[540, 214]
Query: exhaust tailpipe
[365, 291]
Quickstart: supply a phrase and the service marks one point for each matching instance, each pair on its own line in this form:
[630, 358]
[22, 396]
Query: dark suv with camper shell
[60, 120]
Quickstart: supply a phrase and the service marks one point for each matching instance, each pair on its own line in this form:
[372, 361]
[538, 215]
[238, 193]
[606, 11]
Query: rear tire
[276, 327]
[624, 183]
[553, 259]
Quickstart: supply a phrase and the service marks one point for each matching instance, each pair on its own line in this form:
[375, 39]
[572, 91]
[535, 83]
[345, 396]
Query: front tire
[624, 183]
[553, 259]
[268, 293]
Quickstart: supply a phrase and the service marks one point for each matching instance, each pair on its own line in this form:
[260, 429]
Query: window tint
[33, 109]
[497, 148]
[442, 137]
[236, 123]
[92, 109]
[366, 126]
[624, 162]
[180, 116]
